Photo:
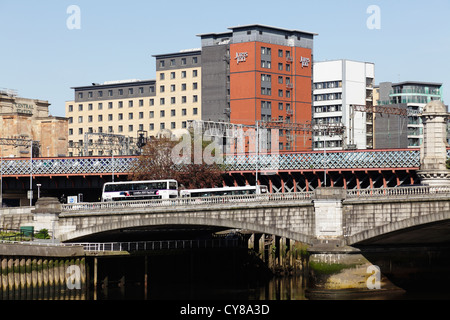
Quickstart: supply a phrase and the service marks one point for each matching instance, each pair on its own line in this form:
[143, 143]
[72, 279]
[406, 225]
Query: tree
[164, 158]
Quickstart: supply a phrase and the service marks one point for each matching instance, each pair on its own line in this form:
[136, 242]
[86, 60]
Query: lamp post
[39, 190]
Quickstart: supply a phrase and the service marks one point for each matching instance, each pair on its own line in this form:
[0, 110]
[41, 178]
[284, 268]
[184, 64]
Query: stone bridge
[409, 215]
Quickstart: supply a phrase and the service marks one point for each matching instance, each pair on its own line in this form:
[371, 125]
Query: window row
[173, 62]
[173, 75]
[120, 116]
[328, 85]
[131, 103]
[120, 92]
[329, 96]
[173, 87]
[140, 127]
[331, 108]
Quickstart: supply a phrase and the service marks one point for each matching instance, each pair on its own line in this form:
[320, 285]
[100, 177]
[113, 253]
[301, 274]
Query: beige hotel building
[128, 108]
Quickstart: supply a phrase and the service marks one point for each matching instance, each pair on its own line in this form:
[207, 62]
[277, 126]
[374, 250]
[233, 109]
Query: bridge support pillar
[433, 151]
[335, 268]
[46, 215]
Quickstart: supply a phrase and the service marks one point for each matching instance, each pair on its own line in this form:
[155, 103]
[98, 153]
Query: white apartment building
[341, 88]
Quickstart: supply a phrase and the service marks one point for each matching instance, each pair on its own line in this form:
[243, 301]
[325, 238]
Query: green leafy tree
[166, 159]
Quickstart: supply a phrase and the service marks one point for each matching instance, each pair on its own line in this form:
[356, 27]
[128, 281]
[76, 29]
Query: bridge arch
[118, 224]
[419, 229]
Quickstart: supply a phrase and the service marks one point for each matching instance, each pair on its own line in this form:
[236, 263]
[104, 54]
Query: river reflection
[277, 288]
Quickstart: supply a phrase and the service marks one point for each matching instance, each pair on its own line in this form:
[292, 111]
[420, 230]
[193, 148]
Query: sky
[46, 48]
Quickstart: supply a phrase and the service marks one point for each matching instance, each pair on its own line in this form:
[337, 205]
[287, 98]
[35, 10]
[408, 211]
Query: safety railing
[216, 200]
[160, 245]
[399, 191]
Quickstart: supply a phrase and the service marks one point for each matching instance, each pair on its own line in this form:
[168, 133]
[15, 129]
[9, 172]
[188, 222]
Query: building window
[162, 126]
[173, 113]
[120, 104]
[120, 92]
[151, 114]
[172, 100]
[80, 119]
[120, 128]
[90, 119]
[100, 106]
[110, 93]
[130, 91]
[110, 117]
[172, 88]
[130, 116]
[194, 73]
[141, 115]
[120, 116]
[162, 101]
[151, 102]
[100, 118]
[161, 89]
[110, 105]
[151, 126]
[162, 63]
[70, 108]
[161, 76]
[194, 98]
[70, 132]
[141, 103]
[80, 131]
[194, 86]
[183, 112]
[183, 74]
[162, 114]
[194, 60]
[172, 75]
[80, 107]
[172, 125]
[195, 111]
[130, 103]
[130, 128]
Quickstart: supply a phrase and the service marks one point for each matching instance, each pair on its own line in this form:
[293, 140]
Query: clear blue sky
[42, 59]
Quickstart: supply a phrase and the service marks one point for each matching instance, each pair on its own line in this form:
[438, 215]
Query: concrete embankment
[31, 271]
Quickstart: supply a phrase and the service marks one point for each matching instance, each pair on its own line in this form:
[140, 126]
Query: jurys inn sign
[241, 57]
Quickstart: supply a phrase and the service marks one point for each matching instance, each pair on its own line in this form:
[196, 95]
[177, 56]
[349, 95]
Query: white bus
[225, 191]
[139, 190]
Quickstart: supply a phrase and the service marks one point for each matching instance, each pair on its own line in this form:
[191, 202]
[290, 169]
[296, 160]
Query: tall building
[258, 73]
[412, 96]
[29, 119]
[115, 108]
[340, 87]
[248, 74]
[179, 92]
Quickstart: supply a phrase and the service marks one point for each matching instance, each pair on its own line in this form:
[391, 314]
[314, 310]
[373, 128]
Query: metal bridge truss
[290, 172]
[337, 160]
